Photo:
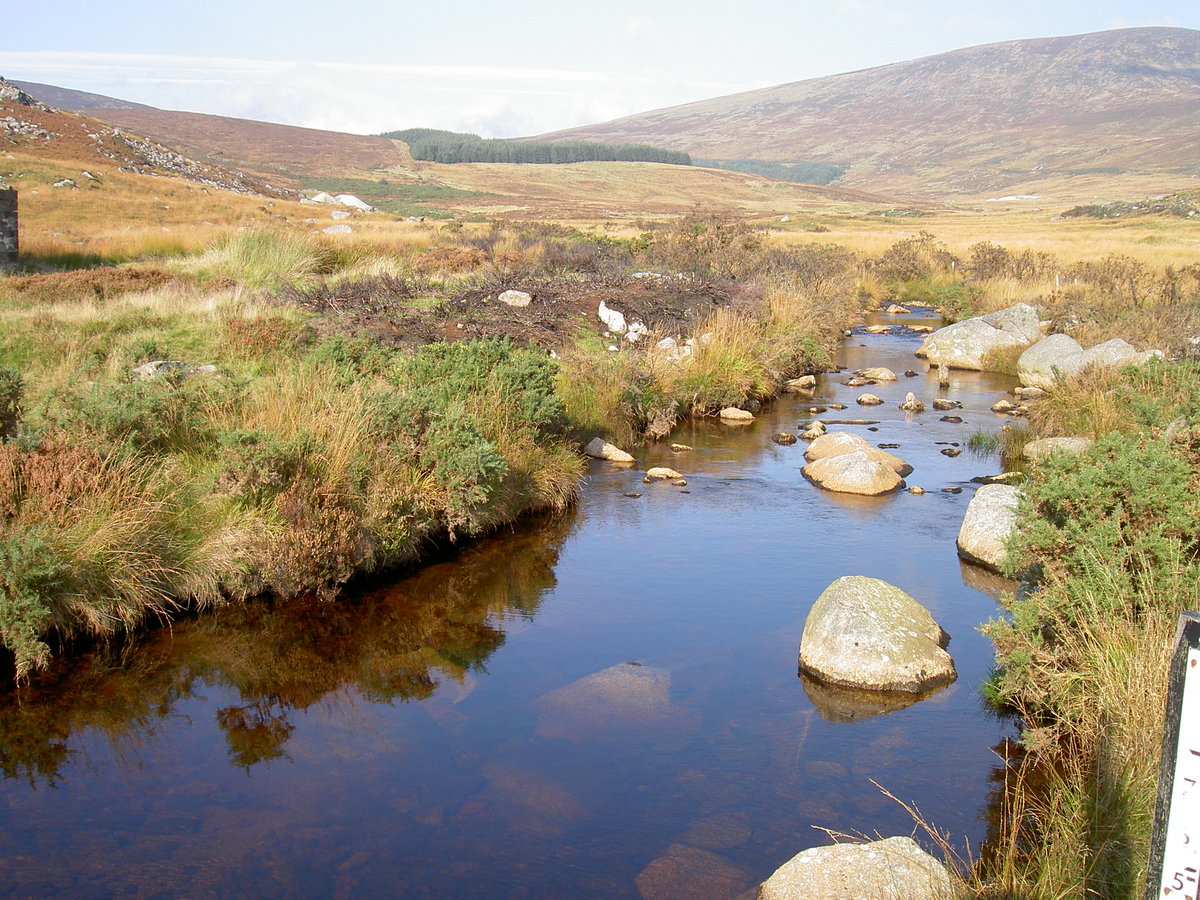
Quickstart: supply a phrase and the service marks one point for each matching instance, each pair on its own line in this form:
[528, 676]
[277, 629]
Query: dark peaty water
[602, 706]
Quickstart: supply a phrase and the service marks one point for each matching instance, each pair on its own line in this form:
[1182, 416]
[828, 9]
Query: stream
[602, 705]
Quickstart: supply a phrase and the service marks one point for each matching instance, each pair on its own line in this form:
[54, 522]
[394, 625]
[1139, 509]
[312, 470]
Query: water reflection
[395, 644]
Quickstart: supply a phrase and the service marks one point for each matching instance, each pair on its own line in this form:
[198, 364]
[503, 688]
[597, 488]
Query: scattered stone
[865, 633]
[663, 472]
[337, 229]
[1003, 406]
[633, 494]
[953, 420]
[613, 320]
[681, 448]
[951, 452]
[803, 383]
[897, 310]
[339, 214]
[817, 410]
[916, 490]
[943, 375]
[682, 482]
[912, 404]
[598, 448]
[952, 490]
[877, 373]
[965, 344]
[878, 329]
[857, 381]
[891, 869]
[837, 405]
[1045, 447]
[888, 446]
[1029, 393]
[853, 473]
[784, 439]
[515, 298]
[910, 374]
[990, 519]
[170, 368]
[868, 400]
[814, 431]
[943, 404]
[921, 329]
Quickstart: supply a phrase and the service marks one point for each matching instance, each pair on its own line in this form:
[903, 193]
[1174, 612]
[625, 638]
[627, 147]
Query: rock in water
[877, 373]
[733, 414]
[912, 404]
[515, 298]
[990, 519]
[853, 473]
[838, 442]
[868, 400]
[891, 869]
[598, 448]
[663, 472]
[784, 439]
[965, 344]
[865, 633]
[803, 383]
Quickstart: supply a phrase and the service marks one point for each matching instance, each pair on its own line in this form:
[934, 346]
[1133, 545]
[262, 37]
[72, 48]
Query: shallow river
[606, 705]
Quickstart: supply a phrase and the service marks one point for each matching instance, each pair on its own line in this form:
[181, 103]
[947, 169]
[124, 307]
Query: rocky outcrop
[990, 519]
[895, 868]
[598, 448]
[853, 473]
[171, 368]
[966, 344]
[1061, 354]
[868, 634]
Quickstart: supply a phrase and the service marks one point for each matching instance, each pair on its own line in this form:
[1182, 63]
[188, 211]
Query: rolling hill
[1032, 116]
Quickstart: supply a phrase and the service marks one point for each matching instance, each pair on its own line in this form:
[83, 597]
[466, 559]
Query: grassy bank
[1110, 551]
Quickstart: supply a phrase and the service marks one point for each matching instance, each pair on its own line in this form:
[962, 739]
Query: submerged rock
[837, 443]
[865, 633]
[784, 438]
[625, 694]
[891, 869]
[990, 518]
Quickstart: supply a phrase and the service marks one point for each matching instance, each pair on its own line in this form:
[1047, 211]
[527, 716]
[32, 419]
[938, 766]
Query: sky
[501, 69]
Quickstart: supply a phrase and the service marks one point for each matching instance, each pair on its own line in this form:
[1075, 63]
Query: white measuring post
[1174, 869]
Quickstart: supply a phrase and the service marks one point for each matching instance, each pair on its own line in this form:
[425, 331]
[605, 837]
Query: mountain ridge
[975, 119]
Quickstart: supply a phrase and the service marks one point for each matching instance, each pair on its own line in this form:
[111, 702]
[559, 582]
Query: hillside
[1033, 116]
[73, 100]
[380, 170]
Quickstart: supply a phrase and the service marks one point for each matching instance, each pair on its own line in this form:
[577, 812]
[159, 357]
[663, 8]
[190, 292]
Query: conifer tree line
[433, 145]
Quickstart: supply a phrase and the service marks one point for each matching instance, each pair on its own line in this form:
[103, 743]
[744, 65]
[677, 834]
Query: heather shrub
[11, 391]
[30, 573]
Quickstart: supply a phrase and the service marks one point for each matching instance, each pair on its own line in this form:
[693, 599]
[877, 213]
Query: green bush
[12, 388]
[1099, 533]
[468, 468]
[258, 466]
[30, 573]
[154, 416]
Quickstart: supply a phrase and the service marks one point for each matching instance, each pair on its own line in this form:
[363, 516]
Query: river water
[605, 705]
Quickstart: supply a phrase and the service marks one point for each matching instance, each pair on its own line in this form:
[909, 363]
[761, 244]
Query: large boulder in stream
[865, 633]
[837, 443]
[990, 519]
[894, 868]
[966, 344]
[853, 473]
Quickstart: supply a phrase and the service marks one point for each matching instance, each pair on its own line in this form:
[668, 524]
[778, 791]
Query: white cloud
[365, 98]
[640, 26]
[871, 11]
